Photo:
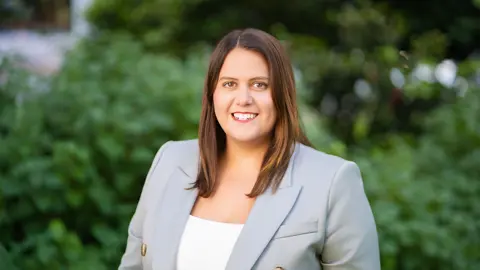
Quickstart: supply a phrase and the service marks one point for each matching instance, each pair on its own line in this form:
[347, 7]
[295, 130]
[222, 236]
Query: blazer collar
[190, 166]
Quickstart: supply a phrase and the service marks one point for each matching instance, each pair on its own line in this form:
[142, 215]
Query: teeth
[244, 116]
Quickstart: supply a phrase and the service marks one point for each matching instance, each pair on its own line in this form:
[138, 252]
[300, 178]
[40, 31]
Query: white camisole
[206, 244]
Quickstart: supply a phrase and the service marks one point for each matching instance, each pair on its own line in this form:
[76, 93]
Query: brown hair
[287, 130]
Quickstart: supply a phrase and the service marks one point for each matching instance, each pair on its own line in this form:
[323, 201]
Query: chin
[247, 138]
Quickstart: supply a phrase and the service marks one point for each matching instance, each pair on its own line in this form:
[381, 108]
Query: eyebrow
[252, 79]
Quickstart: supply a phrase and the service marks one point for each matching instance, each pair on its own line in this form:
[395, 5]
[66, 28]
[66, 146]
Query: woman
[251, 193]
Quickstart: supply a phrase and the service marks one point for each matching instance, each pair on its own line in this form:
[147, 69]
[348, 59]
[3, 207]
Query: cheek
[268, 107]
[220, 104]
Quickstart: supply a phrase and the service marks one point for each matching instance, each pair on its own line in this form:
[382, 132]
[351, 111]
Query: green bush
[74, 154]
[75, 148]
[337, 44]
[425, 191]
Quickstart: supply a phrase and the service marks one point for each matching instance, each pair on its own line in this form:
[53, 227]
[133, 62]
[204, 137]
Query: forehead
[242, 63]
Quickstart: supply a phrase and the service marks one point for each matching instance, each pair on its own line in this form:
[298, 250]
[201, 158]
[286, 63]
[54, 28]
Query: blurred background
[90, 89]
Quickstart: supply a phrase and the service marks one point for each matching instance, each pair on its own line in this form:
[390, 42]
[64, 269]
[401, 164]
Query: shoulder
[311, 166]
[180, 148]
[308, 158]
[183, 153]
[335, 187]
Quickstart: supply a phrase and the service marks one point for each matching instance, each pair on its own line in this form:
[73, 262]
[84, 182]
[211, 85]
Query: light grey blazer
[319, 218]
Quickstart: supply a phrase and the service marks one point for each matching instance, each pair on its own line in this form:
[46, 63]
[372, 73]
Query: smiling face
[242, 98]
[249, 97]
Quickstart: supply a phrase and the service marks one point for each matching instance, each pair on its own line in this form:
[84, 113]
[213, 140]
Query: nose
[244, 97]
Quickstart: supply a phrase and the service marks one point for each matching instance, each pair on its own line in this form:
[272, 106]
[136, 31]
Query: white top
[206, 244]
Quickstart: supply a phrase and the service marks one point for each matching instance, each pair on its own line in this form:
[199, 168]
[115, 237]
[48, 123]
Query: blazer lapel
[266, 216]
[172, 214]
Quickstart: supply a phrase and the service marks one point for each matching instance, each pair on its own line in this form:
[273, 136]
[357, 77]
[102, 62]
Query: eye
[228, 84]
[260, 85]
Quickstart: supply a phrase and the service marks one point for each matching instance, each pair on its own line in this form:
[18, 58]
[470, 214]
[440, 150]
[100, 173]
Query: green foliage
[425, 192]
[5, 259]
[364, 84]
[75, 148]
[176, 24]
[74, 154]
[153, 22]
[346, 49]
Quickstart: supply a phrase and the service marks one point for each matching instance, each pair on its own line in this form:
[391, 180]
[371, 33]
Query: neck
[245, 154]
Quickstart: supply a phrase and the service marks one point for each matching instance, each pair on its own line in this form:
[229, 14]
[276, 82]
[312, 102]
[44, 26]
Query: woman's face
[243, 97]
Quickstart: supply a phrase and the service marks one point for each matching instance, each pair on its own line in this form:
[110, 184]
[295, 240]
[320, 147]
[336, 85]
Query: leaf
[7, 263]
[57, 229]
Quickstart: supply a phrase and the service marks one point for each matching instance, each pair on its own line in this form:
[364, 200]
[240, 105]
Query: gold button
[279, 268]
[143, 249]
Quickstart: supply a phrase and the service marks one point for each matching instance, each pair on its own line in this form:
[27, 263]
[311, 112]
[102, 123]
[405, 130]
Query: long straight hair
[287, 130]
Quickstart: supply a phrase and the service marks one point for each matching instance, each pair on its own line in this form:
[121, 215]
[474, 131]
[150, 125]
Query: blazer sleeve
[132, 259]
[351, 236]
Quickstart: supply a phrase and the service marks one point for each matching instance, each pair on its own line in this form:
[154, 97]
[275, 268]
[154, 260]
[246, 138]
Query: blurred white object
[80, 26]
[477, 77]
[362, 89]
[329, 105]
[43, 53]
[397, 78]
[40, 53]
[423, 72]
[446, 72]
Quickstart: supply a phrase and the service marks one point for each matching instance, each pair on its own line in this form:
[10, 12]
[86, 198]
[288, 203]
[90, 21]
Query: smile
[244, 117]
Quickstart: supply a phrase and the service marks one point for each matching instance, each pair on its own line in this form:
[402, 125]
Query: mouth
[244, 117]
